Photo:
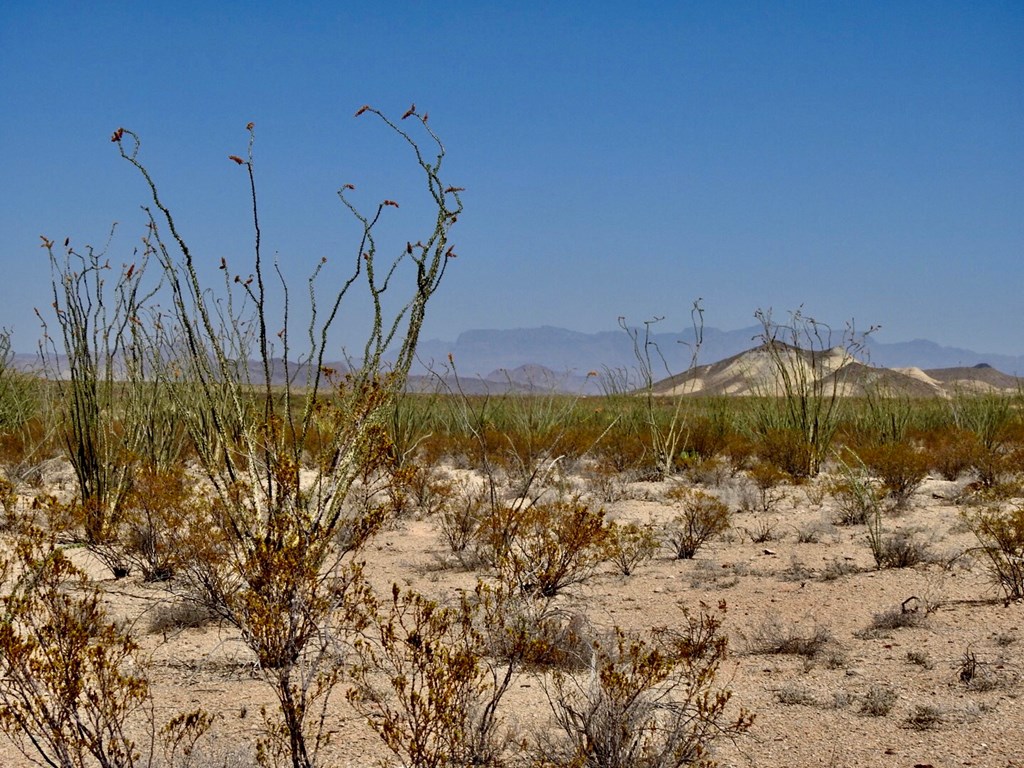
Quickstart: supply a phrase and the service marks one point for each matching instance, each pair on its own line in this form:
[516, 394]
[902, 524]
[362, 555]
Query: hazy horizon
[878, 336]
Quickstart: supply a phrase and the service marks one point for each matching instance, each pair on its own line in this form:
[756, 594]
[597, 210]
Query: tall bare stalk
[281, 443]
[801, 399]
[90, 360]
[667, 436]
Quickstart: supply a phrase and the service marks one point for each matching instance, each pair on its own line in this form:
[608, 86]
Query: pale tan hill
[978, 378]
[749, 373]
[754, 372]
[859, 380]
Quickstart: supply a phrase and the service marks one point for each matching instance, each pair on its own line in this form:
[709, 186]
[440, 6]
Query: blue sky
[865, 160]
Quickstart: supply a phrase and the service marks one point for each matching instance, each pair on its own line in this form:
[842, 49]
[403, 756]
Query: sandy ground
[808, 710]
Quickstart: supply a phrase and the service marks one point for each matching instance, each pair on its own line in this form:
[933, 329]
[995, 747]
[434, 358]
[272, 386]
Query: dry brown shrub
[701, 517]
[953, 452]
[460, 518]
[900, 466]
[878, 701]
[774, 636]
[787, 450]
[425, 683]
[623, 451]
[1000, 535]
[740, 450]
[856, 498]
[71, 685]
[707, 437]
[160, 511]
[546, 547]
[630, 544]
[415, 488]
[654, 701]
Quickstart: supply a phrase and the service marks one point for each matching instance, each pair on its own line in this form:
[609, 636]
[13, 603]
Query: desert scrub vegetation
[667, 437]
[700, 517]
[802, 404]
[544, 548]
[857, 497]
[252, 493]
[651, 700]
[861, 501]
[900, 467]
[631, 544]
[1000, 534]
[277, 438]
[99, 341]
[426, 684]
[74, 691]
[773, 636]
[878, 701]
[67, 688]
[23, 425]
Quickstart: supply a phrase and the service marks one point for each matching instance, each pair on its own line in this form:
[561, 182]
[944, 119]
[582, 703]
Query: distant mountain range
[548, 357]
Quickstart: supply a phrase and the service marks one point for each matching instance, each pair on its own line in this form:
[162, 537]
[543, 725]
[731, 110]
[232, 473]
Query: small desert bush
[878, 701]
[741, 451]
[898, 549]
[540, 638]
[900, 466]
[623, 452]
[416, 488]
[860, 501]
[898, 618]
[953, 452]
[1000, 534]
[787, 450]
[766, 479]
[980, 675]
[1004, 639]
[718, 575]
[857, 499]
[920, 658]
[762, 530]
[712, 472]
[459, 521]
[994, 466]
[72, 685]
[630, 545]
[544, 548]
[178, 615]
[708, 435]
[796, 694]
[773, 636]
[654, 701]
[605, 483]
[425, 684]
[814, 532]
[701, 517]
[8, 504]
[836, 568]
[159, 513]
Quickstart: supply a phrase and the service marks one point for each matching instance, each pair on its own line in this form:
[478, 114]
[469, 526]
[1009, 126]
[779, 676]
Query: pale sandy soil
[779, 580]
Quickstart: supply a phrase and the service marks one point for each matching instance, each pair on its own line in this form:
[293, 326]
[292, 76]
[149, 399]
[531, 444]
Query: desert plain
[842, 663]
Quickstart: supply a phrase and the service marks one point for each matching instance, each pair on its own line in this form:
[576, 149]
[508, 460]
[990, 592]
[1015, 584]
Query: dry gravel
[809, 710]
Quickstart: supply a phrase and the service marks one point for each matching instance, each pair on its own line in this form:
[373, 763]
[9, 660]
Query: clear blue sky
[863, 159]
